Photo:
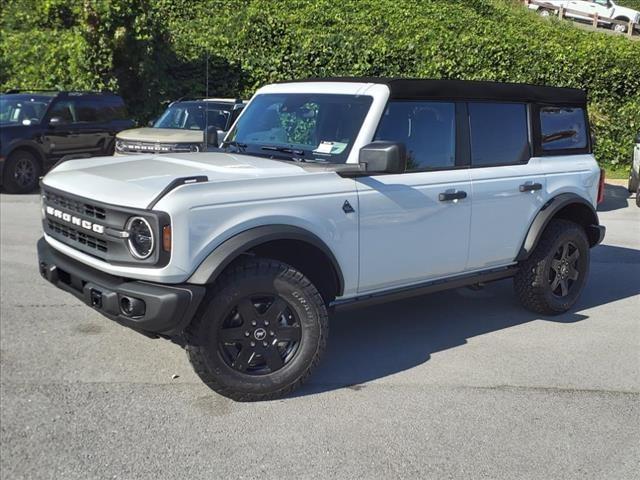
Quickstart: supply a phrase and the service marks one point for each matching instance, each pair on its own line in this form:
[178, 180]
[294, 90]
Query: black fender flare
[232, 248]
[594, 231]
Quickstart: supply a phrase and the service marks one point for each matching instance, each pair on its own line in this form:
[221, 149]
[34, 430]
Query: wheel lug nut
[246, 334]
[271, 333]
[253, 344]
[254, 323]
[265, 344]
[266, 323]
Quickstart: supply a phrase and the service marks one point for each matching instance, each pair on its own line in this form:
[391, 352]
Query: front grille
[78, 236]
[76, 206]
[143, 147]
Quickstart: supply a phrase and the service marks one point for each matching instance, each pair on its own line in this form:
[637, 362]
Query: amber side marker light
[166, 238]
[601, 186]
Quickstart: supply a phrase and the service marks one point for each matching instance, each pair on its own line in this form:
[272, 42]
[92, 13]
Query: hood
[136, 180]
[621, 11]
[161, 135]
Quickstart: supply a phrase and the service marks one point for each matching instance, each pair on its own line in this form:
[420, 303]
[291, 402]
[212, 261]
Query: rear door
[507, 185]
[93, 124]
[414, 226]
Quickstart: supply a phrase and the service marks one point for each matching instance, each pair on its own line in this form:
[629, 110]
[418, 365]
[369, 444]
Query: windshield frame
[297, 151]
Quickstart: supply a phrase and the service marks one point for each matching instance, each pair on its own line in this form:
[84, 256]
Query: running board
[426, 288]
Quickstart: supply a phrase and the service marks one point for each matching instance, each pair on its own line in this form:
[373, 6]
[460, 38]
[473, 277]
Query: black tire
[254, 362]
[541, 280]
[22, 171]
[638, 197]
[634, 181]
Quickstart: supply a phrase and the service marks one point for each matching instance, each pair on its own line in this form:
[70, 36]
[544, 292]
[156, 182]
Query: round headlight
[141, 239]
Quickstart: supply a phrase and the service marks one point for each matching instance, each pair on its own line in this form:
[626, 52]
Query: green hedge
[156, 50]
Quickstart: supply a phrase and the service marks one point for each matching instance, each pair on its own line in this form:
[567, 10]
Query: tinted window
[86, 109]
[64, 110]
[563, 128]
[499, 133]
[428, 129]
[110, 108]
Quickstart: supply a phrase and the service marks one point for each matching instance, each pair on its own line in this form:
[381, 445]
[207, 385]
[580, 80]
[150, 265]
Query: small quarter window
[428, 130]
[499, 134]
[563, 128]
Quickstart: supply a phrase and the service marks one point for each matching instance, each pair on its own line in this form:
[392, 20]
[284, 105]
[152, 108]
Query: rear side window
[110, 108]
[428, 130]
[563, 128]
[499, 134]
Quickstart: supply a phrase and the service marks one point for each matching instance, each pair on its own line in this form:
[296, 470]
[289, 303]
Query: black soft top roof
[419, 89]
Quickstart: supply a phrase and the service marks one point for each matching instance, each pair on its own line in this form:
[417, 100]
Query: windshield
[22, 109]
[319, 127]
[190, 116]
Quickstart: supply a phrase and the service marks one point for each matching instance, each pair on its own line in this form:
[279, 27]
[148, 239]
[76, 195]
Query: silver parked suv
[329, 193]
[185, 126]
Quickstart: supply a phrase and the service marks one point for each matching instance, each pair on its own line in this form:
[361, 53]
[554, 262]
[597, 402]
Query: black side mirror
[384, 157]
[55, 121]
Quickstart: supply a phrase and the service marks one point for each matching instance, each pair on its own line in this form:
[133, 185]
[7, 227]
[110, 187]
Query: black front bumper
[168, 309]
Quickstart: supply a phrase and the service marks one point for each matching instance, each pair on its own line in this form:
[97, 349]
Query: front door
[414, 226]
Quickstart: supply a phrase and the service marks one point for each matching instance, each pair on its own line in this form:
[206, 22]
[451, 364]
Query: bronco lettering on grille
[66, 217]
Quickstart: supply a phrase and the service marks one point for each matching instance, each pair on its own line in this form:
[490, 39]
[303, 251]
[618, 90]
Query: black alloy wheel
[21, 172]
[564, 271]
[260, 335]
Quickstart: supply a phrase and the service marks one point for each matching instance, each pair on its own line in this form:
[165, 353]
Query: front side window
[427, 129]
[65, 111]
[563, 128]
[499, 134]
[318, 127]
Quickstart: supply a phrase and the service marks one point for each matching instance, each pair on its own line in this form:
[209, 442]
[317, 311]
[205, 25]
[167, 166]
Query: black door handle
[453, 195]
[530, 187]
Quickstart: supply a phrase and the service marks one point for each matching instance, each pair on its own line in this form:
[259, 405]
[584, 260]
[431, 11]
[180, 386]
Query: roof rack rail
[29, 90]
[207, 99]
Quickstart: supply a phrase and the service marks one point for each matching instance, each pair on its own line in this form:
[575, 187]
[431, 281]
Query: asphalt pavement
[459, 384]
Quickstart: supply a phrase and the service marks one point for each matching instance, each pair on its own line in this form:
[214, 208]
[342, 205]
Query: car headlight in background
[141, 240]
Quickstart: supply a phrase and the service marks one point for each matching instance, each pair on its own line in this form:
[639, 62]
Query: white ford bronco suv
[328, 193]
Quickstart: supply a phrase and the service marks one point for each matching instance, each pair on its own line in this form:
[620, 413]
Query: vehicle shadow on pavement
[373, 342]
[615, 198]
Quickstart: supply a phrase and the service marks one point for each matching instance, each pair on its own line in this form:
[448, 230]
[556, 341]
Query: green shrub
[156, 50]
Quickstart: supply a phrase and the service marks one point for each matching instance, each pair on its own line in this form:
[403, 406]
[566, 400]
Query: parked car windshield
[191, 116]
[320, 127]
[23, 109]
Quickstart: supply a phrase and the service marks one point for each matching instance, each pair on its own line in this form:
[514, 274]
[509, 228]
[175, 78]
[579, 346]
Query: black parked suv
[39, 128]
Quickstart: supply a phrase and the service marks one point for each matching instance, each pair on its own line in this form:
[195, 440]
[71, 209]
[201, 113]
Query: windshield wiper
[232, 143]
[293, 151]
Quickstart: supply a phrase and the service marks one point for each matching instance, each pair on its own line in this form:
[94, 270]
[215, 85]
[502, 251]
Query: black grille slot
[75, 206]
[77, 236]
